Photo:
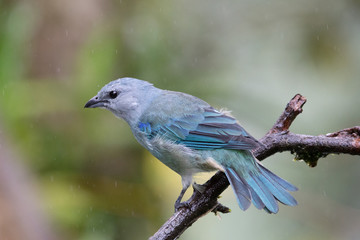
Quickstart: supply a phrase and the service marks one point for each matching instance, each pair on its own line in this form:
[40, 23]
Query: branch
[278, 139]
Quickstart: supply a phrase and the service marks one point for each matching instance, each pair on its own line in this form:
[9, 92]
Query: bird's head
[125, 97]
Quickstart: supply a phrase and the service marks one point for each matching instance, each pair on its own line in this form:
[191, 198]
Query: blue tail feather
[276, 189]
[262, 187]
[263, 192]
[256, 199]
[240, 189]
[285, 184]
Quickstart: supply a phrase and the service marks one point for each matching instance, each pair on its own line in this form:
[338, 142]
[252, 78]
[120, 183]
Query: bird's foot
[179, 205]
[198, 187]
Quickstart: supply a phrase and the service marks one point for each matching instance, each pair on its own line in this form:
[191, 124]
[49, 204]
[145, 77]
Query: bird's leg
[186, 181]
[178, 203]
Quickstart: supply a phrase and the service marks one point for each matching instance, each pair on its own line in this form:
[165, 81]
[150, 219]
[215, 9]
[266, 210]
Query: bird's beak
[95, 102]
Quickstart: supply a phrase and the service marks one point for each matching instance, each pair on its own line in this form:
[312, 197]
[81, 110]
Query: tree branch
[278, 139]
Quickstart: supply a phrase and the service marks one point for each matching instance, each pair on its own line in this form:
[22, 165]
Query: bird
[190, 136]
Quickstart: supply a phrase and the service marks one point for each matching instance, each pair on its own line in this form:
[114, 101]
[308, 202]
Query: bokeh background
[72, 173]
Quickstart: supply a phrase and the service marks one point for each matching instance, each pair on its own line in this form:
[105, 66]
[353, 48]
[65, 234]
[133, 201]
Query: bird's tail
[261, 187]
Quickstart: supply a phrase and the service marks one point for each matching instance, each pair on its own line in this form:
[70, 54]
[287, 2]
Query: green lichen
[310, 157]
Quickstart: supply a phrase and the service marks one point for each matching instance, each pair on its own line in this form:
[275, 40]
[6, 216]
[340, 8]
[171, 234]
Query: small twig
[293, 108]
[278, 139]
[220, 208]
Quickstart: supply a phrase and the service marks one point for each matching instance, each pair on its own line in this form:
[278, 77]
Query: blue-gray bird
[189, 136]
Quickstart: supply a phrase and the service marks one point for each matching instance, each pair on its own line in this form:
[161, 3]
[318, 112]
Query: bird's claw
[198, 187]
[179, 205]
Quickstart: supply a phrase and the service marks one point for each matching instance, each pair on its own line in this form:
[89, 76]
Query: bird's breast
[181, 159]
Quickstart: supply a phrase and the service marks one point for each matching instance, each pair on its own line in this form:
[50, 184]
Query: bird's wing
[206, 130]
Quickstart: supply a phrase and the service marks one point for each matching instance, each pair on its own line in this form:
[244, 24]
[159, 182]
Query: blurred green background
[73, 173]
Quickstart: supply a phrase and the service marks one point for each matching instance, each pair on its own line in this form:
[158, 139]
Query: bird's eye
[113, 94]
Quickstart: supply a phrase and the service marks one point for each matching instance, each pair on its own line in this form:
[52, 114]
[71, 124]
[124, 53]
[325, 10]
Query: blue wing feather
[210, 129]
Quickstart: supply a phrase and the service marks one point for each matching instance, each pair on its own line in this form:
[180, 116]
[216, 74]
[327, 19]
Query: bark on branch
[278, 139]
